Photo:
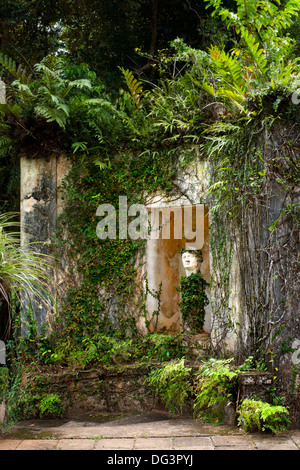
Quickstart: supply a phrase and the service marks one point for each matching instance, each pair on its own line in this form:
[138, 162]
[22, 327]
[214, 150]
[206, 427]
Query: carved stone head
[190, 262]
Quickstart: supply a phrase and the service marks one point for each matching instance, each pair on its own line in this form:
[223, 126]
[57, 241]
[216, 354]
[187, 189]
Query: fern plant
[262, 60]
[214, 384]
[256, 415]
[135, 87]
[49, 93]
[17, 71]
[6, 142]
[51, 406]
[172, 383]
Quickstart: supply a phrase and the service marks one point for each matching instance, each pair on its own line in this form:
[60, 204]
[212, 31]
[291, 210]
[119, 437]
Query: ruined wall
[230, 320]
[40, 206]
[254, 267]
[254, 300]
[269, 265]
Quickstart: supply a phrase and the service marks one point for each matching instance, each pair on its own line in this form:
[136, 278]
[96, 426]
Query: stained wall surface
[164, 266]
[40, 206]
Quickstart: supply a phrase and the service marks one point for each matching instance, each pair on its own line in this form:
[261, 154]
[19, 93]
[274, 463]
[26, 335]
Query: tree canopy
[103, 34]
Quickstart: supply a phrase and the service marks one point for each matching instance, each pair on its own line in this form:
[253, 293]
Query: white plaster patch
[28, 204]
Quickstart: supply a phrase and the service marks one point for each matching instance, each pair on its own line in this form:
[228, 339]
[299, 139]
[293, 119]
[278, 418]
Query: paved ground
[153, 431]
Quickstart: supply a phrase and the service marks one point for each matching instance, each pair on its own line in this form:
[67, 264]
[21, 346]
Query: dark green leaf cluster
[172, 383]
[256, 415]
[193, 300]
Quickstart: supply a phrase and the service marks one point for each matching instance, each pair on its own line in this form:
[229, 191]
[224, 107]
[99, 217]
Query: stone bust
[190, 262]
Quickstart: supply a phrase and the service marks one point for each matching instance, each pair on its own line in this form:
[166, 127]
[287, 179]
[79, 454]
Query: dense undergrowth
[211, 389]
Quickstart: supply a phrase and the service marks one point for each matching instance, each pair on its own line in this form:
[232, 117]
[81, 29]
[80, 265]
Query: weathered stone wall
[270, 266]
[250, 261]
[122, 389]
[257, 308]
[40, 207]
[107, 389]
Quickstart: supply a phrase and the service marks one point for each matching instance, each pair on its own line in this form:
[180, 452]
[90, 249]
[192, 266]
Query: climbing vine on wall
[193, 298]
[225, 104]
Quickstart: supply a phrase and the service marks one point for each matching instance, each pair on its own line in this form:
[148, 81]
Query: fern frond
[40, 67]
[228, 67]
[171, 383]
[135, 87]
[101, 164]
[52, 114]
[6, 145]
[18, 72]
[80, 83]
[234, 70]
[256, 52]
[234, 97]
[23, 89]
[9, 64]
[6, 108]
[208, 88]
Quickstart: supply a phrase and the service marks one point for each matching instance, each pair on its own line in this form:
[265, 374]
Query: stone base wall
[108, 389]
[122, 389]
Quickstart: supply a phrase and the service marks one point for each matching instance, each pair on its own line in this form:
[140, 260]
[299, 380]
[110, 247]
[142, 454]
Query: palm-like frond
[255, 50]
[18, 72]
[135, 87]
[21, 269]
[228, 67]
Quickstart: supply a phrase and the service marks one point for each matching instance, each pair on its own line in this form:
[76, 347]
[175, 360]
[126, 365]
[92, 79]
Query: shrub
[256, 415]
[172, 383]
[193, 300]
[214, 384]
[163, 347]
[51, 406]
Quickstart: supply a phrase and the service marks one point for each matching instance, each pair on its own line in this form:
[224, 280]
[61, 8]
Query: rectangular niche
[173, 227]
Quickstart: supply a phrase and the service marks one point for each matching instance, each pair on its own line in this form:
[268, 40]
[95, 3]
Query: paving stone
[271, 442]
[153, 443]
[129, 427]
[75, 444]
[112, 444]
[193, 443]
[9, 444]
[37, 444]
[295, 436]
[128, 433]
[233, 443]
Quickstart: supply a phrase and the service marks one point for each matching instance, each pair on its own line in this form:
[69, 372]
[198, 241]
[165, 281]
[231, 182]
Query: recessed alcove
[188, 228]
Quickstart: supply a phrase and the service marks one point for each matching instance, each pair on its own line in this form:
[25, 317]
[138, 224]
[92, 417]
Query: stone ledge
[254, 382]
[122, 388]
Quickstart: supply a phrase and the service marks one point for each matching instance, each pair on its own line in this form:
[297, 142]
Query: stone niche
[176, 224]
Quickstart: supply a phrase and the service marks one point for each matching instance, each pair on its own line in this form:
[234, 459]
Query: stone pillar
[255, 382]
[2, 92]
[39, 207]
